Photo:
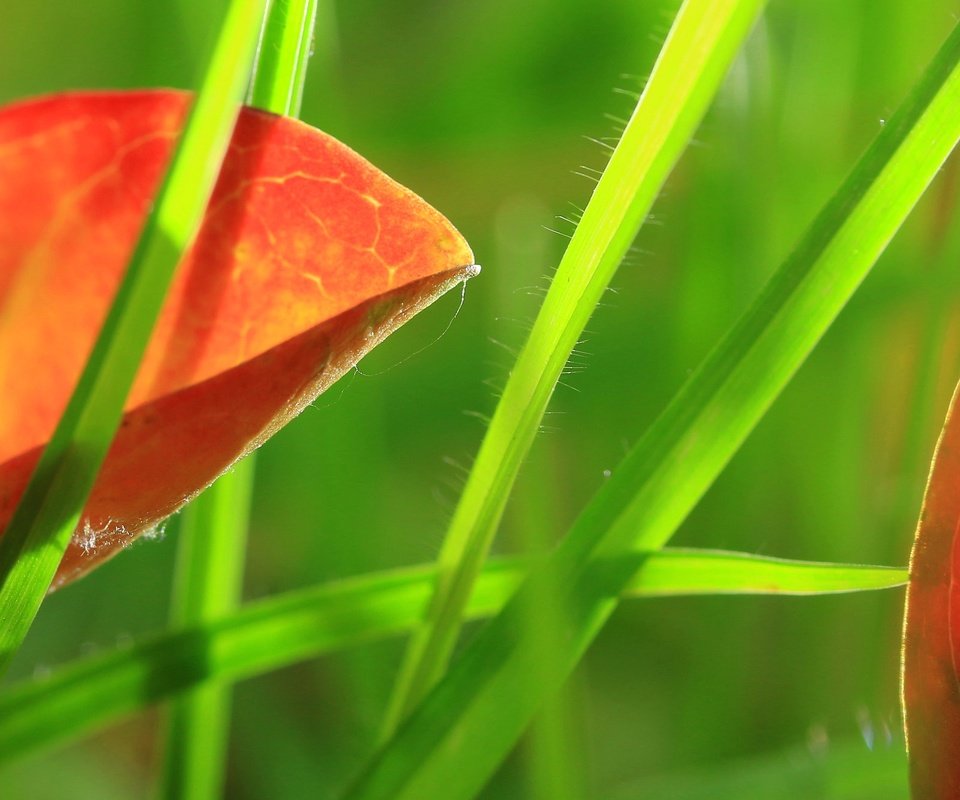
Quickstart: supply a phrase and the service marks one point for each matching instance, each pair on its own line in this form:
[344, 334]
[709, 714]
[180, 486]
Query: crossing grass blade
[467, 725]
[266, 635]
[694, 59]
[46, 517]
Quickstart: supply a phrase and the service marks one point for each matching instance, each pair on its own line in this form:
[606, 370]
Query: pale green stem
[208, 585]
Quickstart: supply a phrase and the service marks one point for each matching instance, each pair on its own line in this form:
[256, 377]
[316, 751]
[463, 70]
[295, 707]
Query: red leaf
[307, 258]
[931, 636]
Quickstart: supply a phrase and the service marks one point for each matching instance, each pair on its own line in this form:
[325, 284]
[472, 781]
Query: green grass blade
[552, 755]
[282, 56]
[213, 533]
[269, 634]
[469, 723]
[688, 571]
[43, 523]
[209, 578]
[694, 59]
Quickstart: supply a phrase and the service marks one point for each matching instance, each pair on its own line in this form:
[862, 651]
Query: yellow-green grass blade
[703, 41]
[280, 72]
[92, 692]
[468, 724]
[44, 521]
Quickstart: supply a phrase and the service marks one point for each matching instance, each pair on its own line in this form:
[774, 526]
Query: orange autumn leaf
[307, 258]
[931, 636]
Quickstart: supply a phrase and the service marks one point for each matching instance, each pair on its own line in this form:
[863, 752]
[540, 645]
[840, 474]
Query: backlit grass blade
[213, 533]
[40, 530]
[694, 59]
[269, 634]
[469, 723]
[688, 571]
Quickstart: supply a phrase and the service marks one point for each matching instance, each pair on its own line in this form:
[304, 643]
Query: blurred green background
[485, 109]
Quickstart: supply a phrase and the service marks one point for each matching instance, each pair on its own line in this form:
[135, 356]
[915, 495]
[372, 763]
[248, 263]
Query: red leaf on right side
[931, 634]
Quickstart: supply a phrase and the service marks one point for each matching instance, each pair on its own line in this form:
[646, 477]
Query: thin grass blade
[280, 72]
[269, 634]
[209, 577]
[469, 723]
[41, 528]
[694, 59]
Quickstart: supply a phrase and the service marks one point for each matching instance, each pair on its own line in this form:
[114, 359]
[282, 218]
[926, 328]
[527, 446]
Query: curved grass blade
[694, 59]
[266, 635]
[469, 723]
[44, 521]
